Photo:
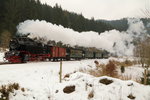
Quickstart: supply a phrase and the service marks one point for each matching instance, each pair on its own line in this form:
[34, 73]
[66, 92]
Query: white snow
[41, 81]
[118, 90]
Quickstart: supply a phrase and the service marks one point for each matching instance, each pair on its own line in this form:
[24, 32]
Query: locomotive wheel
[54, 59]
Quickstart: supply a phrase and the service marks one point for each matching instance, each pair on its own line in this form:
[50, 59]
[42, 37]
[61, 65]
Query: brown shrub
[22, 89]
[4, 93]
[67, 76]
[96, 64]
[5, 90]
[110, 69]
[15, 86]
[131, 96]
[91, 94]
[105, 81]
[69, 89]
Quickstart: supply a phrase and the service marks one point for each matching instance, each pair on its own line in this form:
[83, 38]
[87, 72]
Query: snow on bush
[115, 89]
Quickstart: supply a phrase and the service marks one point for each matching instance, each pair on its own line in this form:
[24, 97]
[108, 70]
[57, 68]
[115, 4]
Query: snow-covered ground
[41, 82]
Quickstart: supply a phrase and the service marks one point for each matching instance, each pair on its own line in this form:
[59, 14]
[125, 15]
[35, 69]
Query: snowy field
[41, 82]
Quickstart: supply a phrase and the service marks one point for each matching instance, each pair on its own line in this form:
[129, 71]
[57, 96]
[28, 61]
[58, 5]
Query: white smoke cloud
[136, 27]
[112, 41]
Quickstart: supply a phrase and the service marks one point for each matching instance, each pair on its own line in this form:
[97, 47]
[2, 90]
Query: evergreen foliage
[15, 11]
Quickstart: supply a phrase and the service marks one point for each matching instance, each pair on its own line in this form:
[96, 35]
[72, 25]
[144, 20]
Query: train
[23, 49]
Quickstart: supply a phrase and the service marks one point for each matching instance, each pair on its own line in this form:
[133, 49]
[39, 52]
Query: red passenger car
[58, 52]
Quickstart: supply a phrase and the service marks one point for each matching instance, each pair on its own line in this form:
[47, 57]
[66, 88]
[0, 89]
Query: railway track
[4, 63]
[7, 63]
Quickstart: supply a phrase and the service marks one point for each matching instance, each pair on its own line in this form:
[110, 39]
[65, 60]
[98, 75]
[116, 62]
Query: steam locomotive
[23, 49]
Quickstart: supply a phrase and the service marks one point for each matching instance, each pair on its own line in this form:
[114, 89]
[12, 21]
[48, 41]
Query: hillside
[15, 11]
[122, 24]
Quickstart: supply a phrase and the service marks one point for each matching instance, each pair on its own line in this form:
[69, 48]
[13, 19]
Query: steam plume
[112, 41]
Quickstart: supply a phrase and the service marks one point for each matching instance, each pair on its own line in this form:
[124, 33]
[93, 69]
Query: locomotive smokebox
[13, 44]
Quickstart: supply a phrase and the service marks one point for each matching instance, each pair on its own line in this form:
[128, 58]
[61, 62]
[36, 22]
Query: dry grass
[103, 70]
[99, 73]
[110, 69]
[129, 77]
[93, 72]
[125, 63]
[96, 73]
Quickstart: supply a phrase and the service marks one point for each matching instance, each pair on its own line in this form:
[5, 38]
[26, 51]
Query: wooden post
[145, 76]
[60, 72]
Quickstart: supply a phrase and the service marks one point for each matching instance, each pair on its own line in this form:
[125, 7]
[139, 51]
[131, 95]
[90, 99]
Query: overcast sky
[103, 9]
